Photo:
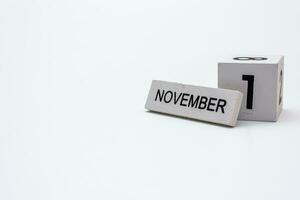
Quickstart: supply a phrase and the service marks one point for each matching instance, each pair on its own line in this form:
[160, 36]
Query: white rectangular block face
[260, 79]
[202, 103]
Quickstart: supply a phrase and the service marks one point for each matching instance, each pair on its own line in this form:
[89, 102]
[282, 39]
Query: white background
[74, 77]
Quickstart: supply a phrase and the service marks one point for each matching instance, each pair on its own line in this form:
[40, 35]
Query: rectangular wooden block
[219, 106]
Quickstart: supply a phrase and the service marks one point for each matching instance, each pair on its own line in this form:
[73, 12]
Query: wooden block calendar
[260, 79]
[202, 103]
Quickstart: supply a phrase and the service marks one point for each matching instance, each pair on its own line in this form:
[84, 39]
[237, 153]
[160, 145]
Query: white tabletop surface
[74, 77]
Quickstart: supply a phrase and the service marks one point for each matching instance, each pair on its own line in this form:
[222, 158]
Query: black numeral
[250, 80]
[280, 82]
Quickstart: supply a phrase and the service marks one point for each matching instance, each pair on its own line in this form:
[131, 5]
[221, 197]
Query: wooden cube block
[260, 79]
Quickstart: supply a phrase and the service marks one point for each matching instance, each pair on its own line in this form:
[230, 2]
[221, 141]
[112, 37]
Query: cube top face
[253, 59]
[260, 81]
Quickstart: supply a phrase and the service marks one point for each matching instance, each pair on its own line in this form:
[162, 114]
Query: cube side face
[280, 80]
[258, 83]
